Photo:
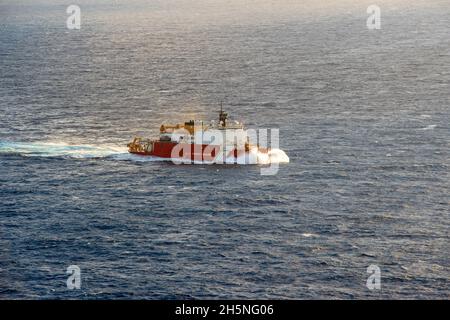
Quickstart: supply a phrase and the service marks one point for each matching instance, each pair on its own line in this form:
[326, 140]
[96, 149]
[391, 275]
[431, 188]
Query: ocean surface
[363, 116]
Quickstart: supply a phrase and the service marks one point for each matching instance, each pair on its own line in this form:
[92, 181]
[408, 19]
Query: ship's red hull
[173, 150]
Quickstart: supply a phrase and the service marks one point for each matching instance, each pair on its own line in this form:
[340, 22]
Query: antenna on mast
[222, 116]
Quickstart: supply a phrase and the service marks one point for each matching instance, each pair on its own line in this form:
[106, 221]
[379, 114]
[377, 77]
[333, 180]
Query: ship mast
[223, 116]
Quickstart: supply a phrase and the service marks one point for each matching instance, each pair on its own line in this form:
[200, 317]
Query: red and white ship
[195, 141]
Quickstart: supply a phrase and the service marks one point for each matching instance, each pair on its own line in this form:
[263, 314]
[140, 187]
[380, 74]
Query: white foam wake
[50, 149]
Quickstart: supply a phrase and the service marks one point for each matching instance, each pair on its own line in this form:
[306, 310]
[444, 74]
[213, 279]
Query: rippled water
[363, 116]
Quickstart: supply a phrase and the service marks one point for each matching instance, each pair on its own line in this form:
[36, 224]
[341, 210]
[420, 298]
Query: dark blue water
[363, 115]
